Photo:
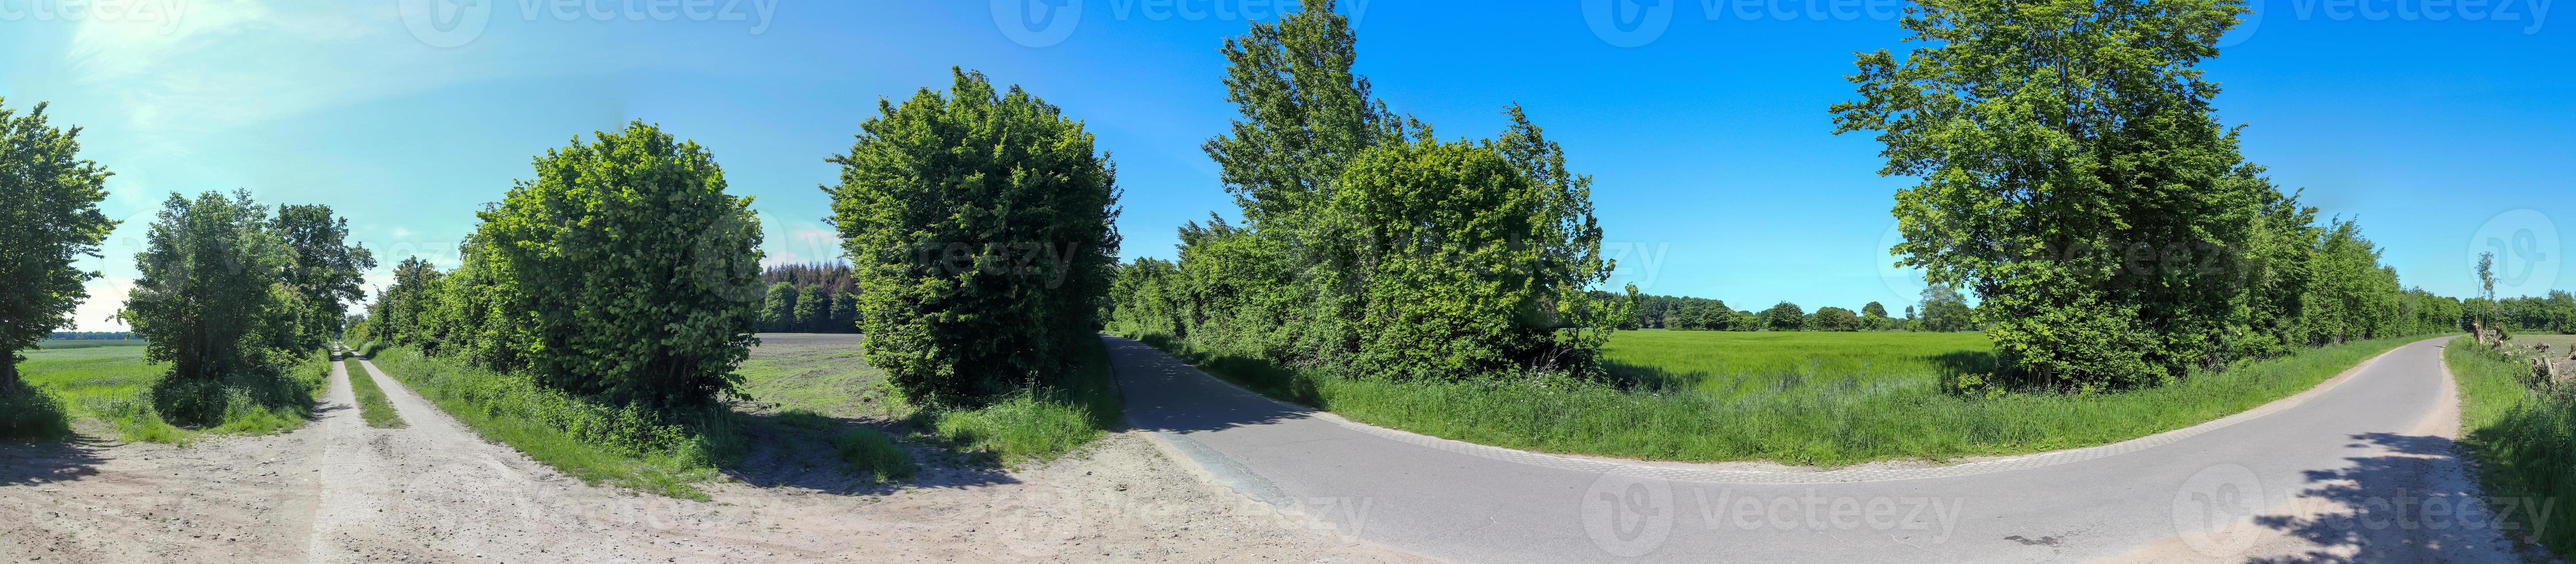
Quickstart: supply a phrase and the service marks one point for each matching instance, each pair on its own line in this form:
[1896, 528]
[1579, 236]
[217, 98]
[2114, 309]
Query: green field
[1808, 398]
[60, 344]
[111, 384]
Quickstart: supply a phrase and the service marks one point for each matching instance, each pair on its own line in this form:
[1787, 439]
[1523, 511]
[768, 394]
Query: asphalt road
[2359, 470]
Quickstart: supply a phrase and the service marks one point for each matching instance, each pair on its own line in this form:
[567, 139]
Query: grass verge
[869, 451]
[372, 405]
[627, 447]
[1035, 425]
[1876, 411]
[2524, 438]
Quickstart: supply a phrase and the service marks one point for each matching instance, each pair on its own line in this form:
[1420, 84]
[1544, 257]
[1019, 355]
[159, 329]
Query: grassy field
[372, 405]
[60, 344]
[1808, 398]
[112, 384]
[2524, 439]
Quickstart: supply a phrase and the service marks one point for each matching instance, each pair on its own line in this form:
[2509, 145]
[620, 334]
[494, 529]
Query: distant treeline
[90, 336]
[2553, 314]
[809, 298]
[1941, 309]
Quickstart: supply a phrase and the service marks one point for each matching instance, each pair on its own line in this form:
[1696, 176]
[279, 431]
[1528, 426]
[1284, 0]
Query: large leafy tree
[327, 270]
[979, 228]
[813, 309]
[778, 308]
[211, 300]
[635, 276]
[2072, 175]
[49, 217]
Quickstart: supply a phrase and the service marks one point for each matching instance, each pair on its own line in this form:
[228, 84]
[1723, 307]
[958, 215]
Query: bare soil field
[339, 491]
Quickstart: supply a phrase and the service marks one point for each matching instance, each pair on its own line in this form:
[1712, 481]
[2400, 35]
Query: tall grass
[625, 446]
[372, 403]
[1817, 398]
[2524, 438]
[1035, 425]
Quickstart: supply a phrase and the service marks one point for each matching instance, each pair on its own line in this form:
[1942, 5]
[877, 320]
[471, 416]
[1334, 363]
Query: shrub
[628, 266]
[979, 228]
[29, 413]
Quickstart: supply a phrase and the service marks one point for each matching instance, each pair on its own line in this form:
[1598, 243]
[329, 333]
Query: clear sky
[1702, 122]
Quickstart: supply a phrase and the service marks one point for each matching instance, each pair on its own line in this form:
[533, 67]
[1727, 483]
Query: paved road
[2359, 470]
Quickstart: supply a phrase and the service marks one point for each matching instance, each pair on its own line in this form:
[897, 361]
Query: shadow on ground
[795, 450]
[1163, 393]
[46, 462]
[2406, 505]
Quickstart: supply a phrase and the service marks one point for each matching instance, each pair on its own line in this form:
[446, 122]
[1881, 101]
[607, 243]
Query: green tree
[49, 217]
[2072, 174]
[1784, 316]
[630, 267]
[813, 309]
[1944, 310]
[778, 308]
[212, 303]
[845, 312]
[327, 270]
[1873, 317]
[979, 225]
[1830, 318]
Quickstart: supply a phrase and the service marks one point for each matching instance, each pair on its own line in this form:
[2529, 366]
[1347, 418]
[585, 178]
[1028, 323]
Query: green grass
[1807, 398]
[2524, 439]
[869, 451]
[114, 385]
[372, 405]
[625, 447]
[1036, 425]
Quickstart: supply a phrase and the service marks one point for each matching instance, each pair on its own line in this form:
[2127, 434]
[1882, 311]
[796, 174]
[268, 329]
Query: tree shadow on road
[1164, 393]
[2412, 503]
[48, 462]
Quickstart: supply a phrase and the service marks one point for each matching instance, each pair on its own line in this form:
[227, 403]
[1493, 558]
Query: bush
[979, 228]
[622, 272]
[29, 413]
[870, 451]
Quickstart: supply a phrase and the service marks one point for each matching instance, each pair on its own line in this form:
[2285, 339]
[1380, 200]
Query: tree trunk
[8, 370]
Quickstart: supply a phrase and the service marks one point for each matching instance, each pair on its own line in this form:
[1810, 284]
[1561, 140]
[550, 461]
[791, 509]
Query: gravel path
[339, 491]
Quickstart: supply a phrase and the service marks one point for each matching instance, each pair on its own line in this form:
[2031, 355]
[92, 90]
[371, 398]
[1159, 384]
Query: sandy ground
[339, 491]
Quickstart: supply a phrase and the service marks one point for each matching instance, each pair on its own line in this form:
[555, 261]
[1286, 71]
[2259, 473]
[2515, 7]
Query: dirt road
[339, 491]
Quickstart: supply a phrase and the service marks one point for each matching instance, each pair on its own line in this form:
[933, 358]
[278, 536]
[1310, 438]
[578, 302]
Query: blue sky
[1702, 122]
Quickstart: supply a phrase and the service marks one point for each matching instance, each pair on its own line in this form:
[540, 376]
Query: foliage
[215, 303]
[50, 219]
[28, 413]
[1784, 316]
[326, 270]
[1040, 423]
[633, 275]
[1944, 310]
[1830, 318]
[1367, 243]
[813, 309]
[778, 308]
[979, 225]
[2071, 175]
